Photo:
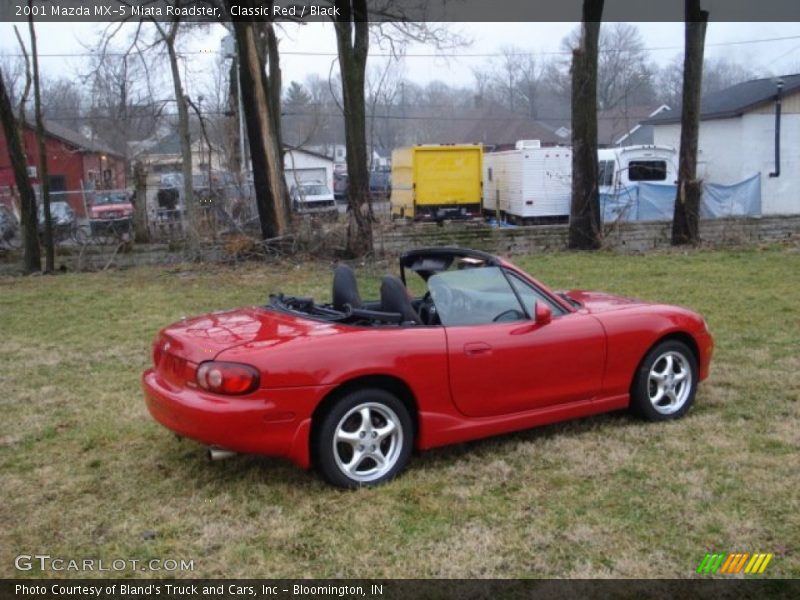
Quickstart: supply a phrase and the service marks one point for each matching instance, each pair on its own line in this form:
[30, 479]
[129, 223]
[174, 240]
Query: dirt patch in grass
[87, 473]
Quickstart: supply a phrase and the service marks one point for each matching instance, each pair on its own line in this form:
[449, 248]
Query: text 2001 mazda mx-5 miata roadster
[353, 387]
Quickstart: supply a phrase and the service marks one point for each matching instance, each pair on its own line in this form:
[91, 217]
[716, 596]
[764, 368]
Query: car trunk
[183, 345]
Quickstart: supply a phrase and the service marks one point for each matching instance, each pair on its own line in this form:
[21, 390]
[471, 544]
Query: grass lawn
[87, 473]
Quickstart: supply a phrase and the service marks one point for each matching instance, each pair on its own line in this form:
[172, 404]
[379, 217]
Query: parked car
[340, 182]
[62, 218]
[312, 197]
[380, 183]
[351, 387]
[111, 212]
[9, 226]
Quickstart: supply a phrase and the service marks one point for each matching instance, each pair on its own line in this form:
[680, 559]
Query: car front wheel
[666, 382]
[365, 439]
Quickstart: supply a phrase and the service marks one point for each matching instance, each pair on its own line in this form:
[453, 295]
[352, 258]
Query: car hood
[596, 302]
[205, 337]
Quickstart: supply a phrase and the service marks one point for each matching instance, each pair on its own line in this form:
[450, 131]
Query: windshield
[316, 189]
[473, 296]
[57, 210]
[112, 198]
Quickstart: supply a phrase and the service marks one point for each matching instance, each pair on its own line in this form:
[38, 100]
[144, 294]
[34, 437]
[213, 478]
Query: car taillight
[227, 378]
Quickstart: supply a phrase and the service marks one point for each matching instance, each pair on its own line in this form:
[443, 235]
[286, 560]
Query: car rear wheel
[365, 439]
[665, 383]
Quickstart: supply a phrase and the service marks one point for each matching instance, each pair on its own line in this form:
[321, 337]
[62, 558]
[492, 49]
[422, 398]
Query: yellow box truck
[434, 182]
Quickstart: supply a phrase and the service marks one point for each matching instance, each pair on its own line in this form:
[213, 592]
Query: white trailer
[529, 183]
[621, 167]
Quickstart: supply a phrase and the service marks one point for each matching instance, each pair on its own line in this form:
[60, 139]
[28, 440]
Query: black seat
[345, 288]
[395, 299]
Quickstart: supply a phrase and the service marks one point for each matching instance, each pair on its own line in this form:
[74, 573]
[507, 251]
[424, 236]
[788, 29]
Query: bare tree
[168, 36]
[584, 223]
[62, 101]
[624, 75]
[352, 39]
[31, 259]
[718, 74]
[482, 79]
[685, 222]
[530, 86]
[44, 184]
[122, 107]
[265, 152]
[14, 73]
[382, 87]
[506, 76]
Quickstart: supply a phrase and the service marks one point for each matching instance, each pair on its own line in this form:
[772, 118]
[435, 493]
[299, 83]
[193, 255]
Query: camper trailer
[621, 167]
[528, 184]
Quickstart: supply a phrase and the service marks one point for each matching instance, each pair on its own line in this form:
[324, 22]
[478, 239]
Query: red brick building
[75, 165]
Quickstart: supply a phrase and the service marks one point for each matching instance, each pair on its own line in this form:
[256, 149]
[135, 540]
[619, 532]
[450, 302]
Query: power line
[428, 117]
[421, 55]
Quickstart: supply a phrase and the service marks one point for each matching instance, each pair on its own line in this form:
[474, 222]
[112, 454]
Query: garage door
[295, 176]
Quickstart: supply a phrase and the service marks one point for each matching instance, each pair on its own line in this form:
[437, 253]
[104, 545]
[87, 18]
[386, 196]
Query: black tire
[345, 418]
[658, 393]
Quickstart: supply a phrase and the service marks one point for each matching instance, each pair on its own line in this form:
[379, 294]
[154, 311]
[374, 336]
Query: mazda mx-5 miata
[352, 387]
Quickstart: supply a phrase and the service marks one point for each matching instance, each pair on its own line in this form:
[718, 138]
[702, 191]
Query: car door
[517, 365]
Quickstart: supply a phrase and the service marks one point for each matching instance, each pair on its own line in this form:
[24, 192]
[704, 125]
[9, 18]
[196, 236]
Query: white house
[301, 166]
[737, 139]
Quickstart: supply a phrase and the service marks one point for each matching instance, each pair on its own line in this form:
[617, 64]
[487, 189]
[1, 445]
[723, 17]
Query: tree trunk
[32, 262]
[233, 135]
[192, 235]
[44, 183]
[267, 171]
[352, 37]
[141, 232]
[685, 221]
[584, 224]
[274, 92]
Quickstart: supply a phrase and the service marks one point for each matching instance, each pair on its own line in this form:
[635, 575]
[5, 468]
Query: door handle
[477, 349]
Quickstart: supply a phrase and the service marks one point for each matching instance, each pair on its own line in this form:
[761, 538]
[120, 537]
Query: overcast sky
[778, 56]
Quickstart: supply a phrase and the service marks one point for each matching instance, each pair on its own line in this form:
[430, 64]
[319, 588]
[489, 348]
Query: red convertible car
[352, 387]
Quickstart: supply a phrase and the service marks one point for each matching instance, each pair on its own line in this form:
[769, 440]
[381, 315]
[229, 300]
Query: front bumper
[121, 225]
[705, 344]
[273, 422]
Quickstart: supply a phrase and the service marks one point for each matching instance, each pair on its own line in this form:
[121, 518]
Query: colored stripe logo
[731, 564]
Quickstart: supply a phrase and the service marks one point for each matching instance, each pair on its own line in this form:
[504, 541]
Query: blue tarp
[656, 202]
[742, 199]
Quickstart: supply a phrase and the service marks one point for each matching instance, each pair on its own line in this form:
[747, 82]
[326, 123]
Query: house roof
[76, 139]
[493, 126]
[614, 125]
[288, 148]
[733, 101]
[168, 144]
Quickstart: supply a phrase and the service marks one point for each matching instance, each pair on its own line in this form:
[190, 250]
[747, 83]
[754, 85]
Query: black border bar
[394, 10]
[391, 589]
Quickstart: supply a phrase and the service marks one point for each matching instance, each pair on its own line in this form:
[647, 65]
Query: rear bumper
[270, 422]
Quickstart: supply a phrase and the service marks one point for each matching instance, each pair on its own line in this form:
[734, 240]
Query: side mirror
[542, 313]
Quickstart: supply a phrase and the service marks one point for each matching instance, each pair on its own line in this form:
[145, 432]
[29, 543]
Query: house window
[490, 173]
[647, 170]
[605, 172]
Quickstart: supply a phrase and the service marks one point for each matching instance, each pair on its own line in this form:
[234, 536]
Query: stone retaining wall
[634, 237]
